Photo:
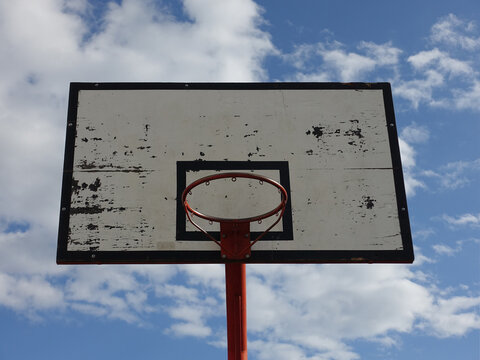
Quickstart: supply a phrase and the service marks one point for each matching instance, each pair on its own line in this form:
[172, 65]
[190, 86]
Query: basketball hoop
[235, 242]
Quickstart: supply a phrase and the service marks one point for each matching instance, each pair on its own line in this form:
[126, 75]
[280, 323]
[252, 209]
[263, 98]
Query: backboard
[132, 148]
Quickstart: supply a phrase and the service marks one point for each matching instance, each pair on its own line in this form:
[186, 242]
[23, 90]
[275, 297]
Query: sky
[428, 50]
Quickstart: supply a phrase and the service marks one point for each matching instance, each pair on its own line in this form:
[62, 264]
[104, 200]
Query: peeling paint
[317, 131]
[95, 185]
[357, 132]
[84, 165]
[75, 187]
[368, 202]
[96, 209]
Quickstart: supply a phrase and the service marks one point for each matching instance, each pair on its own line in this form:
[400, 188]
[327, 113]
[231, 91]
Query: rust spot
[358, 259]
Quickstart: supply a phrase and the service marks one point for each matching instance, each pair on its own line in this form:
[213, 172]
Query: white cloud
[368, 302]
[29, 295]
[195, 304]
[77, 6]
[441, 78]
[415, 133]
[444, 249]
[465, 99]
[441, 61]
[340, 65]
[455, 32]
[349, 66]
[449, 78]
[192, 320]
[423, 233]
[190, 328]
[447, 317]
[383, 54]
[420, 90]
[29, 253]
[213, 46]
[408, 162]
[463, 220]
[454, 175]
[114, 291]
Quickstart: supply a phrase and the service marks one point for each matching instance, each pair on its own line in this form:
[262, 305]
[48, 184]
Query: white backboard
[132, 148]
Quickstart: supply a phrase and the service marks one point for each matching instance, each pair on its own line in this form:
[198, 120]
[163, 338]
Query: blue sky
[428, 50]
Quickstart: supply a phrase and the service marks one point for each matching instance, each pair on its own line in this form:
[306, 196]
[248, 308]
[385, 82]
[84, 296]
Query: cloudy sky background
[431, 55]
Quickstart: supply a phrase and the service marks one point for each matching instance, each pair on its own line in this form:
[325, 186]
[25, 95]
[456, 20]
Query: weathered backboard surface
[132, 148]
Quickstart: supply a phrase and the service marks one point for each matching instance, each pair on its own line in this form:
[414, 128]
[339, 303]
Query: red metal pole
[235, 283]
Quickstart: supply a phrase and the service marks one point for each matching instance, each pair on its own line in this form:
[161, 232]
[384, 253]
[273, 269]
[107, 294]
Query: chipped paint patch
[95, 209]
[368, 202]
